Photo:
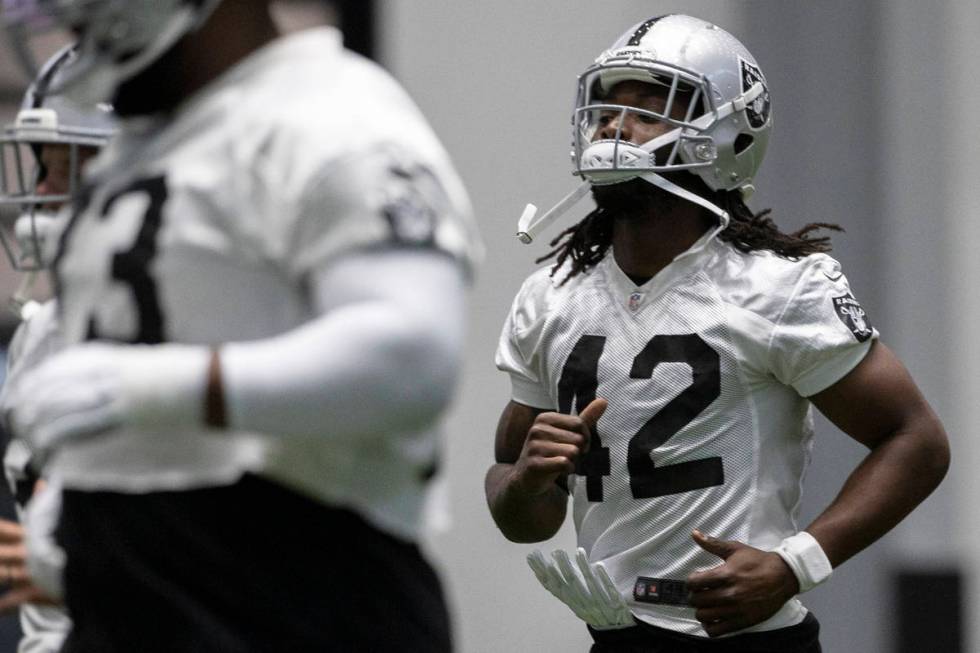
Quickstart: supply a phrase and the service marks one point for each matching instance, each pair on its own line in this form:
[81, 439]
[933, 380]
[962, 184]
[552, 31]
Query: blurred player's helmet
[44, 119]
[117, 38]
[725, 130]
[721, 136]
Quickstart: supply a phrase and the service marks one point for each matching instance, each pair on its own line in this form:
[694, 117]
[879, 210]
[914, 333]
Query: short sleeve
[518, 352]
[380, 197]
[822, 332]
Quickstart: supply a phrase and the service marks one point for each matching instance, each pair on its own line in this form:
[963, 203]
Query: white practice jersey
[706, 368]
[204, 228]
[35, 340]
[43, 628]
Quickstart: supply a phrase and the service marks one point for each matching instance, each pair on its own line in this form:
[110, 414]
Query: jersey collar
[634, 297]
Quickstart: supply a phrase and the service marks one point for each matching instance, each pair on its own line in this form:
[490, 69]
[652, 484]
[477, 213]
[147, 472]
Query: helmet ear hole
[742, 142]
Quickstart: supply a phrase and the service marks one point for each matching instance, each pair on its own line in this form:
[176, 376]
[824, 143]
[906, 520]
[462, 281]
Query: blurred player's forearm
[382, 358]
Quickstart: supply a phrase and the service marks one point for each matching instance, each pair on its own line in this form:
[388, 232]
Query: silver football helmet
[117, 38]
[716, 114]
[44, 120]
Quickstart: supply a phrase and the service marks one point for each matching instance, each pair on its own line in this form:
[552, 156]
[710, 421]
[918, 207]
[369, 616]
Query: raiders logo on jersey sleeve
[853, 316]
[415, 202]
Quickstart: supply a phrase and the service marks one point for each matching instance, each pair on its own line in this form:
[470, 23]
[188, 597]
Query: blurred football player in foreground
[261, 295]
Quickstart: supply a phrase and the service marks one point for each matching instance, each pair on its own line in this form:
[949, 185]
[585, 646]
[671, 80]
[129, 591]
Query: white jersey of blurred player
[35, 339]
[705, 367]
[43, 628]
[215, 218]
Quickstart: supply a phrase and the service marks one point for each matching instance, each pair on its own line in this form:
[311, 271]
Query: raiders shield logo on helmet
[758, 110]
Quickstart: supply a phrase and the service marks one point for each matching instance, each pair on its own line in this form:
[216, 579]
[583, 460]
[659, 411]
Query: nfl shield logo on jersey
[635, 300]
[853, 316]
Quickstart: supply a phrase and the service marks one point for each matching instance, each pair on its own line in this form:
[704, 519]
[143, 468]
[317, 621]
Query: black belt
[662, 591]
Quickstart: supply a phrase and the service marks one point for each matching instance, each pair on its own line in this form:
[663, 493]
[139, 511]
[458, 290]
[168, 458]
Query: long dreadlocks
[586, 243]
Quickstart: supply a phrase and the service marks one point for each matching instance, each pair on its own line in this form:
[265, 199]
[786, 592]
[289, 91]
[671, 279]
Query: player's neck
[643, 247]
[195, 61]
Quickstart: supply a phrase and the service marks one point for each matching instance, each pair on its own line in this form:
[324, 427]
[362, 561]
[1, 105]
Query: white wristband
[804, 556]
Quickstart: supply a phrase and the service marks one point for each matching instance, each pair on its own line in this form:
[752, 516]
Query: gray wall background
[875, 129]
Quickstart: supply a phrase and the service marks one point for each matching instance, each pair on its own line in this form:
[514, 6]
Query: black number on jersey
[579, 383]
[646, 479]
[132, 266]
[579, 380]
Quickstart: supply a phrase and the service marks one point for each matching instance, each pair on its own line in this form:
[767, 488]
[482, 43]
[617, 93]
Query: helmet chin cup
[613, 161]
[32, 231]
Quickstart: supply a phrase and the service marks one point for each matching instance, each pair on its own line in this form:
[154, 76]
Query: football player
[261, 297]
[664, 368]
[44, 149]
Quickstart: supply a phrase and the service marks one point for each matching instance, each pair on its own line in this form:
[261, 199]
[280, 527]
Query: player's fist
[553, 445]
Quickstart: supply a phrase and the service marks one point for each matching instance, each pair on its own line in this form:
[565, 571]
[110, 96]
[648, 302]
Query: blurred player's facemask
[20, 175]
[31, 247]
[721, 136]
[45, 120]
[117, 38]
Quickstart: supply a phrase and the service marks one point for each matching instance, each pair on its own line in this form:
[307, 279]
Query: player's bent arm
[383, 356]
[879, 405]
[535, 449]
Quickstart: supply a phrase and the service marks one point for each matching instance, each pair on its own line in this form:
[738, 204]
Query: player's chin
[633, 199]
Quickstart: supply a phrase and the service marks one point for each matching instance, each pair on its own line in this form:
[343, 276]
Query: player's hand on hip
[92, 388]
[553, 445]
[748, 587]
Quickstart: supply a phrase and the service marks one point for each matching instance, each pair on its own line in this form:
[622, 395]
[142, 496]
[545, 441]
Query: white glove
[585, 588]
[92, 388]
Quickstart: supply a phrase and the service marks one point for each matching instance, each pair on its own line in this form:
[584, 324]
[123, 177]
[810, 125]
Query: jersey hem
[831, 372]
[529, 394]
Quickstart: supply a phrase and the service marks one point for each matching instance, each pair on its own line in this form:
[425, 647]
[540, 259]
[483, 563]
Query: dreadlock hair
[586, 243]
[748, 231]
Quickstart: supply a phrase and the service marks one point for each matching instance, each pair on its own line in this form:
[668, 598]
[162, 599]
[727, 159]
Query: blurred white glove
[89, 389]
[585, 588]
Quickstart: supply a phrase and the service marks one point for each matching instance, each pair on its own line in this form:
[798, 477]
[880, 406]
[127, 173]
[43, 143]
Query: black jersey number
[132, 266]
[579, 383]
